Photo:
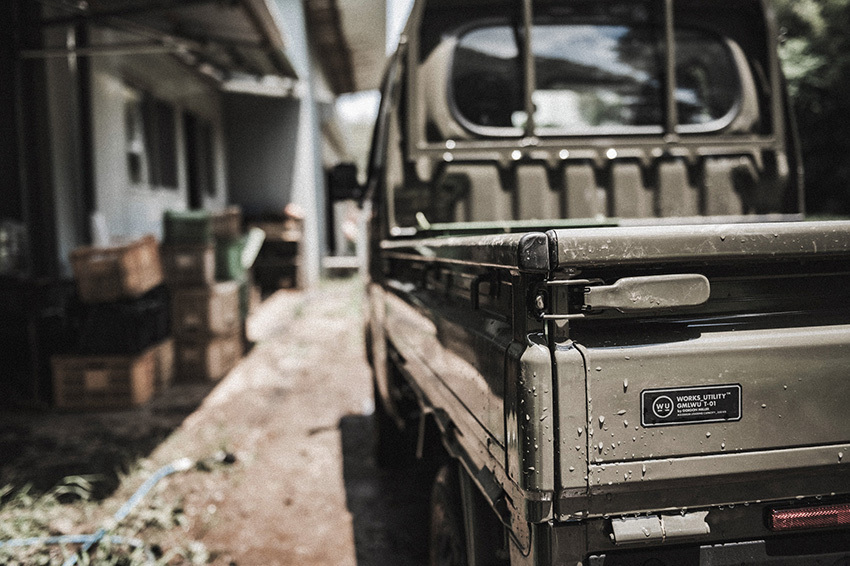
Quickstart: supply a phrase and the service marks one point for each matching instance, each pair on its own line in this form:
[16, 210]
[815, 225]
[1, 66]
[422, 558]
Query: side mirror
[343, 184]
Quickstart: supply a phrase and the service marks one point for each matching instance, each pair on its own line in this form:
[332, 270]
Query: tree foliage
[816, 60]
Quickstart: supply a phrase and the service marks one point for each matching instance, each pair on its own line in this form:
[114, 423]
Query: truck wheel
[448, 538]
[394, 447]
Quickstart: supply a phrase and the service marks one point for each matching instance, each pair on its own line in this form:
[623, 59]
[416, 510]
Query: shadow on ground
[389, 508]
[41, 449]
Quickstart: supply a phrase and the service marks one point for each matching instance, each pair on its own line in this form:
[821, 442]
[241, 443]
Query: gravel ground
[295, 414]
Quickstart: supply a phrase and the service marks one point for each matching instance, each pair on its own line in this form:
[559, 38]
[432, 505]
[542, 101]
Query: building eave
[236, 37]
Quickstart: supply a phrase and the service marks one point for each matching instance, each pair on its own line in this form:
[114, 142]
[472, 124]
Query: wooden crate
[227, 224]
[205, 311]
[189, 265]
[103, 382]
[290, 229]
[208, 359]
[116, 272]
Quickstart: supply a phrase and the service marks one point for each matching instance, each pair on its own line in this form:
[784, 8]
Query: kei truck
[593, 297]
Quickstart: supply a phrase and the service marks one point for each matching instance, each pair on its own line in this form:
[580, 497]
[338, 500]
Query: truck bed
[555, 413]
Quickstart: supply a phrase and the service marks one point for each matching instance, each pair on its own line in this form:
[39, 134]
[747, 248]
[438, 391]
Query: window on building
[135, 139]
[200, 155]
[160, 123]
[207, 162]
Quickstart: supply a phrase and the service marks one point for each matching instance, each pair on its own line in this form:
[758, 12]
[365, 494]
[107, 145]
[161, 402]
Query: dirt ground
[295, 414]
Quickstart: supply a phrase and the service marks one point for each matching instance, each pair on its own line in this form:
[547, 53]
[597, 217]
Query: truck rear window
[592, 79]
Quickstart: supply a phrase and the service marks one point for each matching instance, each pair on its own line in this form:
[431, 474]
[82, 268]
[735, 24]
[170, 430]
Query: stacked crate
[278, 264]
[121, 351]
[229, 247]
[205, 312]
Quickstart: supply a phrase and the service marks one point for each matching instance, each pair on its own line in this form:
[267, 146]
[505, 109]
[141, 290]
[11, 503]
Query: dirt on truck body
[593, 300]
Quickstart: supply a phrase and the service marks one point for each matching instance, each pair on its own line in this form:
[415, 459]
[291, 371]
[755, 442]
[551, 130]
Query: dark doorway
[200, 159]
[190, 127]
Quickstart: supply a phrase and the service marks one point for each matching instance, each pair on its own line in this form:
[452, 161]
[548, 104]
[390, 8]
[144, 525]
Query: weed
[25, 515]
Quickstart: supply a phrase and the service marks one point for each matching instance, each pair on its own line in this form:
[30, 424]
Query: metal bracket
[548, 303]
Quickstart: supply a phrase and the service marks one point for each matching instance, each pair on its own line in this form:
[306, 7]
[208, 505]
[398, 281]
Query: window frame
[136, 146]
[619, 130]
[160, 122]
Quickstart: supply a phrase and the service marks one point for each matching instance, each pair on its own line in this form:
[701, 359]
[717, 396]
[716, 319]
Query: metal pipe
[85, 117]
[92, 15]
[672, 114]
[102, 50]
[529, 75]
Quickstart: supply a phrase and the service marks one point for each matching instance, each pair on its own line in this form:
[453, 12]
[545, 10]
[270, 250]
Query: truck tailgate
[706, 395]
[744, 398]
[723, 389]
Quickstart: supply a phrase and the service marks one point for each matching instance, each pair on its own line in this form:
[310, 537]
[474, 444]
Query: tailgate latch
[631, 294]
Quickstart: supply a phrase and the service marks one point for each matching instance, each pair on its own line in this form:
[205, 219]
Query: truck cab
[587, 111]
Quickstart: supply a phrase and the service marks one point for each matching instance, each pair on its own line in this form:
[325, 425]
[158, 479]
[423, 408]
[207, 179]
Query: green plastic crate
[187, 228]
[228, 259]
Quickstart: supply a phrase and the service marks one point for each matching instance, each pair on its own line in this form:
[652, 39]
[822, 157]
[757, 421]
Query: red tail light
[810, 517]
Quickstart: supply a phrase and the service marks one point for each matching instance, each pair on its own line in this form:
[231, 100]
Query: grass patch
[58, 517]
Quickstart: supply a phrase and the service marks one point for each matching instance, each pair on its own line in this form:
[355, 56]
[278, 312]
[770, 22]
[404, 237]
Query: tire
[447, 535]
[394, 448]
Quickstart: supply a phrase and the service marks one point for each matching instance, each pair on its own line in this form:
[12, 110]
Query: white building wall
[129, 209]
[133, 209]
[308, 184]
[291, 148]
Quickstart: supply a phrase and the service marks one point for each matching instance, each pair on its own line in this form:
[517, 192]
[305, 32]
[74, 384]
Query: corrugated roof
[231, 36]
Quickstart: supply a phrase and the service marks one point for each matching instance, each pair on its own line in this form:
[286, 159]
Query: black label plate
[690, 405]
